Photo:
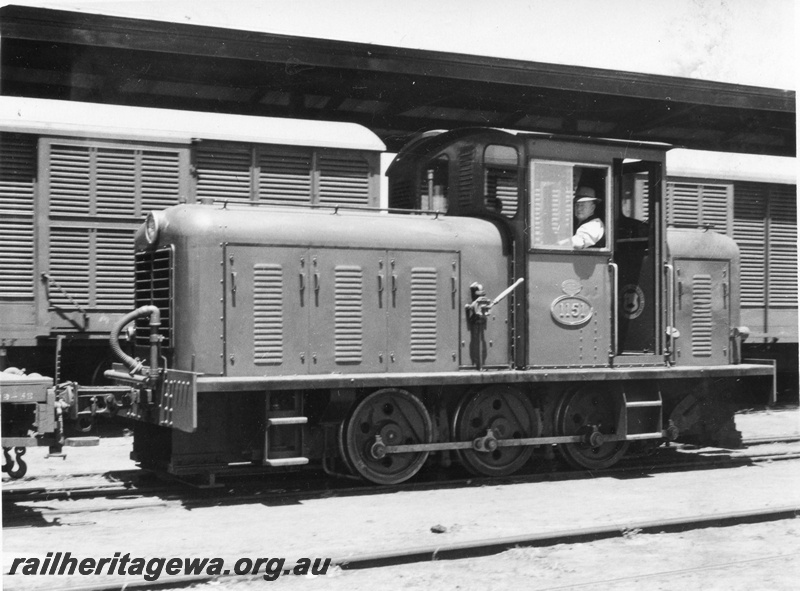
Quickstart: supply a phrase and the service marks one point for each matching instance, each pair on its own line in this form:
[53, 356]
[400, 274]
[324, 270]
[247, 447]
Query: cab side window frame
[552, 187]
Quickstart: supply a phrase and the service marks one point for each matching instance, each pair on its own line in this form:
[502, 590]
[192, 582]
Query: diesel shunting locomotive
[465, 321]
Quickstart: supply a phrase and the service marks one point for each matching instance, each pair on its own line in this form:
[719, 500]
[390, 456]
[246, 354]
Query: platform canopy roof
[396, 92]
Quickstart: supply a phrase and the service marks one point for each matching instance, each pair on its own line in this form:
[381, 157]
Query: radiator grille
[423, 314]
[701, 315]
[349, 314]
[268, 314]
[154, 287]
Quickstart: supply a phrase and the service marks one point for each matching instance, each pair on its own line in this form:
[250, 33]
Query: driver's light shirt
[588, 233]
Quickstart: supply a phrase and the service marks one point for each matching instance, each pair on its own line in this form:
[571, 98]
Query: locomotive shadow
[281, 490]
[678, 458]
[15, 516]
[18, 512]
[296, 488]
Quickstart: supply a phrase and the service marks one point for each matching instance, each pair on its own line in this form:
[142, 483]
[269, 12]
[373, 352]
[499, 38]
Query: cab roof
[429, 141]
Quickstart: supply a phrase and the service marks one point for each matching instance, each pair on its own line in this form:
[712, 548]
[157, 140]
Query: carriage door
[637, 249]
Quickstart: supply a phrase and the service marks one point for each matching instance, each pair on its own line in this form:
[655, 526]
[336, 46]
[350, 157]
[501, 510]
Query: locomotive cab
[585, 305]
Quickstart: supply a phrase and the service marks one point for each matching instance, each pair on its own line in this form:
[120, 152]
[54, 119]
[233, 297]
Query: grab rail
[614, 308]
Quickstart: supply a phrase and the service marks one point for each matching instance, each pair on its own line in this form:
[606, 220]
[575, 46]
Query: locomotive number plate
[571, 310]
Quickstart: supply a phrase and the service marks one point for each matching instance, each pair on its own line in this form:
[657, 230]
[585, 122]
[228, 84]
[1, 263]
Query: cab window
[568, 205]
[501, 180]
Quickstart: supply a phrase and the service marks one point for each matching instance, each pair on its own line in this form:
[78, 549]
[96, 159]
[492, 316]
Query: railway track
[494, 546]
[491, 546]
[764, 440]
[134, 490]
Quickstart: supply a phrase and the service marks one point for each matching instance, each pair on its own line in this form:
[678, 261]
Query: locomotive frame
[398, 352]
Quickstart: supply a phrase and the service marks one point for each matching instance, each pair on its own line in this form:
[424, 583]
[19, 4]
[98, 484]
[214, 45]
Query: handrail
[614, 307]
[670, 270]
[333, 207]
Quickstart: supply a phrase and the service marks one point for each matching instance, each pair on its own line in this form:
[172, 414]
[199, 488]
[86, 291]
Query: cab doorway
[637, 250]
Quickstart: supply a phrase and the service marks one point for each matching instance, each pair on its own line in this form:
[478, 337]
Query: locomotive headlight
[152, 226]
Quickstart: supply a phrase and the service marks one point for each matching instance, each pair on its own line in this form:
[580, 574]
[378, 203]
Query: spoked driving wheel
[491, 414]
[590, 412]
[386, 417]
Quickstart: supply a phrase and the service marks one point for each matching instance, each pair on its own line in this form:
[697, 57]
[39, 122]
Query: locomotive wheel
[508, 414]
[580, 413]
[342, 432]
[398, 418]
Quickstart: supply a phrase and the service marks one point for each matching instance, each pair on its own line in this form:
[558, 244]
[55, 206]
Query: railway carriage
[459, 322]
[752, 199]
[77, 179]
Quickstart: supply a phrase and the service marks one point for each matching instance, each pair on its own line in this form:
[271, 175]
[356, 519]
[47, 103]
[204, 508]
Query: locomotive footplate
[475, 378]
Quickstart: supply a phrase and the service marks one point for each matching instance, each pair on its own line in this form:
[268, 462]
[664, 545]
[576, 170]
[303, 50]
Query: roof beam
[133, 61]
[298, 53]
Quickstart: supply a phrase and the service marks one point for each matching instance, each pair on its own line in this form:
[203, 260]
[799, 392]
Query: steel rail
[493, 546]
[489, 546]
[765, 440]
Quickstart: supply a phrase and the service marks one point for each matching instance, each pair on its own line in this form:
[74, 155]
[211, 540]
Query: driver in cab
[590, 230]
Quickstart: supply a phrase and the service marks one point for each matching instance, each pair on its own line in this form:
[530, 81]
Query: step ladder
[284, 435]
[643, 416]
